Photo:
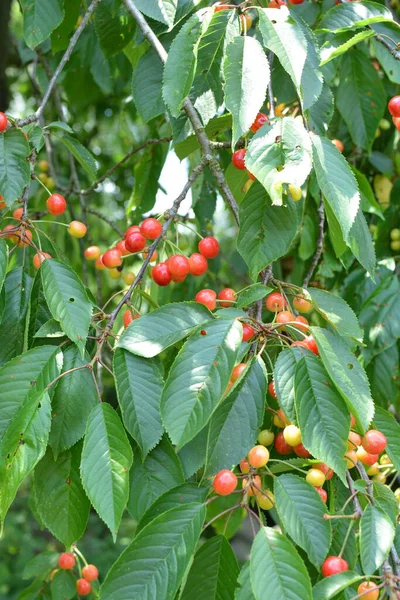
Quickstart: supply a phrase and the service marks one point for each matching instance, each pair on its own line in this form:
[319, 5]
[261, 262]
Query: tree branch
[320, 243]
[191, 113]
[270, 89]
[393, 48]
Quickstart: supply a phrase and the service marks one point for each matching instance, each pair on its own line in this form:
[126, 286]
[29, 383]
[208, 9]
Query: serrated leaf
[39, 313]
[363, 114]
[160, 10]
[376, 538]
[41, 17]
[156, 331]
[60, 36]
[213, 573]
[385, 422]
[114, 31]
[360, 243]
[139, 386]
[382, 374]
[60, 499]
[40, 565]
[280, 153]
[387, 61]
[276, 569]
[337, 182]
[154, 564]
[82, 155]
[321, 112]
[51, 329]
[368, 202]
[59, 125]
[323, 416]
[193, 454]
[67, 300]
[347, 374]
[180, 66]
[147, 172]
[106, 460]
[17, 287]
[348, 16]
[244, 592]
[158, 473]
[234, 425]
[36, 138]
[284, 372]
[146, 86]
[341, 43]
[74, 398]
[198, 378]
[331, 586]
[251, 294]
[337, 312]
[3, 261]
[386, 500]
[266, 231]
[63, 585]
[247, 74]
[307, 528]
[14, 167]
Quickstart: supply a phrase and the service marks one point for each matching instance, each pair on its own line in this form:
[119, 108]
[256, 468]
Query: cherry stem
[42, 184]
[285, 463]
[224, 512]
[346, 537]
[53, 223]
[191, 229]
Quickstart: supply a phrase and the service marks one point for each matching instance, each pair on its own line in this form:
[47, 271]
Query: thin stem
[66, 373]
[320, 243]
[224, 512]
[346, 537]
[356, 503]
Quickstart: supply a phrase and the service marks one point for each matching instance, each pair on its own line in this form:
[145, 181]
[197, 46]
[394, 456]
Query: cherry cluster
[394, 109]
[66, 562]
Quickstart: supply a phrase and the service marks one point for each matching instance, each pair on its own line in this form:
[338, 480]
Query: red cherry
[132, 229]
[2, 203]
[300, 323]
[77, 229]
[327, 471]
[285, 316]
[300, 343]
[281, 445]
[248, 332]
[275, 302]
[135, 242]
[271, 389]
[333, 565]
[127, 318]
[260, 119]
[99, 265]
[3, 122]
[161, 274]
[227, 294]
[311, 344]
[252, 490]
[112, 258]
[394, 106]
[121, 246]
[301, 451]
[225, 482]
[83, 587]
[198, 264]
[218, 7]
[209, 247]
[17, 214]
[151, 228]
[92, 252]
[66, 561]
[321, 491]
[39, 258]
[208, 298]
[153, 258]
[56, 204]
[238, 159]
[90, 572]
[296, 1]
[374, 441]
[396, 122]
[339, 145]
[179, 267]
[237, 371]
[366, 458]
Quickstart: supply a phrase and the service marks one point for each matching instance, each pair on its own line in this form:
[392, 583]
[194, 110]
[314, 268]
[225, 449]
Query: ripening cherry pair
[394, 109]
[66, 562]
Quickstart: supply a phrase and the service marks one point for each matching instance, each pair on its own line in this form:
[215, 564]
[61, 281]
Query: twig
[224, 512]
[111, 223]
[357, 506]
[396, 560]
[190, 111]
[393, 49]
[270, 88]
[121, 162]
[25, 194]
[320, 243]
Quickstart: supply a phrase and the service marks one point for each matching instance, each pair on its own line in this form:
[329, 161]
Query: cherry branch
[393, 48]
[188, 107]
[320, 243]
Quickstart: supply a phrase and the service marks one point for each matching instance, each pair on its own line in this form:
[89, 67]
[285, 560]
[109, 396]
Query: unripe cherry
[208, 298]
[14, 236]
[90, 572]
[112, 258]
[301, 451]
[39, 258]
[339, 145]
[333, 565]
[237, 371]
[3, 122]
[135, 242]
[368, 590]
[380, 478]
[238, 159]
[366, 458]
[327, 471]
[374, 441]
[248, 332]
[266, 501]
[292, 435]
[281, 446]
[161, 274]
[225, 482]
[351, 459]
[83, 587]
[244, 466]
[259, 121]
[127, 318]
[258, 456]
[198, 264]
[354, 440]
[295, 191]
[265, 437]
[77, 229]
[179, 266]
[315, 477]
[66, 561]
[301, 323]
[151, 228]
[385, 460]
[322, 493]
[56, 204]
[114, 273]
[209, 247]
[301, 304]
[129, 278]
[229, 297]
[373, 469]
[92, 252]
[275, 302]
[280, 419]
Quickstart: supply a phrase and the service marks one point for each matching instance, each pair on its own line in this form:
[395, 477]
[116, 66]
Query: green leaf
[323, 416]
[27, 455]
[180, 67]
[156, 331]
[368, 202]
[40, 565]
[276, 569]
[74, 398]
[307, 528]
[384, 421]
[83, 156]
[321, 112]
[3, 261]
[347, 375]
[36, 138]
[284, 372]
[60, 499]
[39, 313]
[331, 586]
[382, 375]
[386, 500]
[244, 592]
[41, 17]
[114, 31]
[280, 153]
[147, 172]
[362, 115]
[193, 454]
[160, 10]
[341, 43]
[63, 585]
[213, 573]
[337, 182]
[159, 472]
[247, 74]
[106, 460]
[67, 300]
[60, 36]
[181, 494]
[17, 287]
[387, 61]
[14, 167]
[376, 538]
[51, 329]
[59, 125]
[154, 564]
[235, 423]
[266, 231]
[337, 312]
[360, 243]
[198, 378]
[139, 386]
[254, 292]
[215, 126]
[348, 16]
[146, 86]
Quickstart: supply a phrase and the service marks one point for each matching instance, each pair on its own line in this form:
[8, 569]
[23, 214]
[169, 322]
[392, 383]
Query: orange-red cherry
[151, 228]
[3, 122]
[248, 332]
[228, 296]
[374, 441]
[135, 242]
[208, 298]
[66, 561]
[237, 371]
[56, 204]
[77, 229]
[39, 258]
[90, 572]
[83, 587]
[333, 565]
[161, 274]
[281, 445]
[92, 252]
[259, 121]
[198, 264]
[209, 247]
[238, 159]
[112, 258]
[225, 482]
[179, 266]
[275, 302]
